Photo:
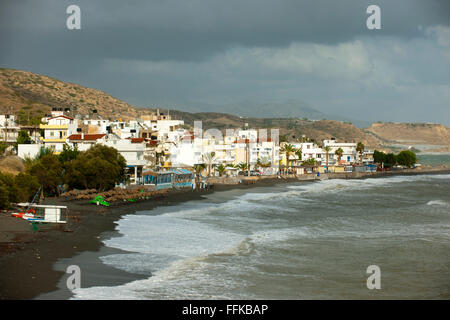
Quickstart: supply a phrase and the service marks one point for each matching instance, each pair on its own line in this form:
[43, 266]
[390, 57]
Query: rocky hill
[30, 96]
[412, 133]
[35, 95]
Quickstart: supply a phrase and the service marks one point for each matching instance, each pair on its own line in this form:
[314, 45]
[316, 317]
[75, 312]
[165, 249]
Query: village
[162, 151]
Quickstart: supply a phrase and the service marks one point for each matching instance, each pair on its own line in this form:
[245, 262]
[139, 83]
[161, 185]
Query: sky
[222, 52]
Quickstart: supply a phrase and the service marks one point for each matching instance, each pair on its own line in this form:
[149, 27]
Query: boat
[28, 213]
[24, 215]
[45, 213]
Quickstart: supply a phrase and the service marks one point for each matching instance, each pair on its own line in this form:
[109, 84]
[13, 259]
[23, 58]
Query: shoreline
[27, 260]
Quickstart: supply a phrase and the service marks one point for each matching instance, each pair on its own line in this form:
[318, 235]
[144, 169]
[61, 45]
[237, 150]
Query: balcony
[54, 126]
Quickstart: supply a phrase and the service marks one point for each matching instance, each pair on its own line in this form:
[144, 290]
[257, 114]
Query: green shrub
[48, 171]
[99, 167]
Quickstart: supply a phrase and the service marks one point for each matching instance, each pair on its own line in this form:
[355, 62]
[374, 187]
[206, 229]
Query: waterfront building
[57, 130]
[9, 130]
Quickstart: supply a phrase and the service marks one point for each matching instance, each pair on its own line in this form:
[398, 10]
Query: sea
[434, 159]
[305, 240]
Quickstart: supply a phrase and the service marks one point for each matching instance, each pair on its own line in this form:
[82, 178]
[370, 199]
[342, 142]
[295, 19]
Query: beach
[29, 266]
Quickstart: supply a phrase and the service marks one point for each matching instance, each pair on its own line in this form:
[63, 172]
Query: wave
[204, 249]
[438, 203]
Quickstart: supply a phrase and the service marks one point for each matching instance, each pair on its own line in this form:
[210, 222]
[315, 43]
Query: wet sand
[33, 262]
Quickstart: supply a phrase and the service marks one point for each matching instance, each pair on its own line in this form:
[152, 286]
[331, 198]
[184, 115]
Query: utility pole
[6, 126]
[247, 143]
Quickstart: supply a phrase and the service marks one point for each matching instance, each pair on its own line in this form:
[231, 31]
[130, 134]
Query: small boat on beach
[44, 214]
[24, 215]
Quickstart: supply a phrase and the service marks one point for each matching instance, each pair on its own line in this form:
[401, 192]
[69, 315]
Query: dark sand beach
[28, 257]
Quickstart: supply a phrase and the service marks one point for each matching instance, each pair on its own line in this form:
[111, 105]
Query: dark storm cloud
[195, 30]
[319, 51]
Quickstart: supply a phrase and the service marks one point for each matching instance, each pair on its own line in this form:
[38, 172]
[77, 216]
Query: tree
[48, 171]
[360, 148]
[209, 158]
[339, 152]
[379, 156]
[288, 149]
[3, 147]
[299, 153]
[390, 160]
[310, 162]
[27, 186]
[100, 167]
[327, 151]
[68, 153]
[221, 168]
[4, 196]
[43, 151]
[198, 169]
[23, 138]
[12, 192]
[243, 166]
[406, 158]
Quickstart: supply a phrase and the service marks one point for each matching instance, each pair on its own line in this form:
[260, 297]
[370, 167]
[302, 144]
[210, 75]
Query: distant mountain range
[290, 109]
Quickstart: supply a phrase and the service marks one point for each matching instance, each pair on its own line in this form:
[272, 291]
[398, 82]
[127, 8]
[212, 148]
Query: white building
[9, 130]
[310, 151]
[57, 130]
[28, 150]
[349, 154]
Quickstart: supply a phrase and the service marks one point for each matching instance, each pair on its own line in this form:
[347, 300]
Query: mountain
[412, 133]
[30, 96]
[289, 109]
[33, 95]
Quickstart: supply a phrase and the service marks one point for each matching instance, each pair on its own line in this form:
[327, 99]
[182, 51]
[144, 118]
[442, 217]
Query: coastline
[27, 260]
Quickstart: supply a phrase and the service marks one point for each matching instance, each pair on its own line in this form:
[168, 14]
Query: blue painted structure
[178, 178]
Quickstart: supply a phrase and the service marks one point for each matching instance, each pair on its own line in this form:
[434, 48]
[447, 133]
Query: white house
[310, 151]
[57, 130]
[9, 130]
[349, 154]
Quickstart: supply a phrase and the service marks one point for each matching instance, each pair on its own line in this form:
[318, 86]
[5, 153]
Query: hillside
[412, 133]
[31, 95]
[35, 95]
[292, 128]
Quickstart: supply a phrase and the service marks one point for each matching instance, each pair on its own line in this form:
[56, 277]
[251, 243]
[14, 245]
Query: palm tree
[288, 149]
[243, 166]
[310, 161]
[360, 148]
[198, 169]
[299, 153]
[327, 151]
[339, 152]
[221, 168]
[209, 158]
